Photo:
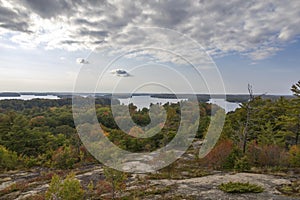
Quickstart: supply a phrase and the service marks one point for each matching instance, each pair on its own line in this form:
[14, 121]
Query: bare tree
[248, 111]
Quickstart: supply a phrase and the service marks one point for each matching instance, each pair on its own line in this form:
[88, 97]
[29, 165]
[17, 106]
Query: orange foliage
[217, 157]
[266, 155]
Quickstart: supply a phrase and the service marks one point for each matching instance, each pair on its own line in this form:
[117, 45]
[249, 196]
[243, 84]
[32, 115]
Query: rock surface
[205, 187]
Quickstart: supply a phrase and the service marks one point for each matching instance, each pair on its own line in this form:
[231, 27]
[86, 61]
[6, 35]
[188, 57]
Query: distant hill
[9, 94]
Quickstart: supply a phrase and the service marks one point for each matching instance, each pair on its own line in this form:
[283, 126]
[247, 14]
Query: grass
[238, 187]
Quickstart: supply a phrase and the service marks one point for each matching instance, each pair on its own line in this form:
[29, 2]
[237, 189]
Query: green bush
[64, 157]
[242, 164]
[8, 159]
[68, 189]
[238, 187]
[232, 158]
[117, 180]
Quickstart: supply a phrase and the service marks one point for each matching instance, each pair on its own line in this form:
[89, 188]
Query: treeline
[20, 105]
[42, 132]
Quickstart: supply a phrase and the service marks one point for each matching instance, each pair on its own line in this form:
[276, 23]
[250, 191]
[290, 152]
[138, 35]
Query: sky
[162, 46]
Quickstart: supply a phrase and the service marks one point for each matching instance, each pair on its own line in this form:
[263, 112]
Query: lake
[226, 105]
[140, 101]
[29, 97]
[145, 101]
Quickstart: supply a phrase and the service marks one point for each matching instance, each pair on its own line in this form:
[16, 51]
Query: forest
[262, 135]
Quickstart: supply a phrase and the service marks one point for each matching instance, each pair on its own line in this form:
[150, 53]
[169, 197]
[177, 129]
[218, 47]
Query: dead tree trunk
[248, 110]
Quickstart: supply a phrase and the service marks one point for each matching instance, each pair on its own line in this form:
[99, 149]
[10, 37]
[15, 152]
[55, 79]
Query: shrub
[30, 161]
[232, 158]
[64, 157]
[67, 189]
[294, 156]
[242, 164]
[8, 159]
[103, 187]
[267, 155]
[238, 187]
[19, 186]
[218, 156]
[116, 179]
[54, 187]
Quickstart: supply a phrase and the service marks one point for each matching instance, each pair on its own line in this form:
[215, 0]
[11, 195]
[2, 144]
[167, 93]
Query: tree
[248, 110]
[296, 89]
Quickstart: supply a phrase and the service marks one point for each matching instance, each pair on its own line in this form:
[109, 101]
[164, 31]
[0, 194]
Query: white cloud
[257, 29]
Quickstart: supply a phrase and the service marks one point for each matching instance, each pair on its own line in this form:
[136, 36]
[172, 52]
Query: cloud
[48, 9]
[13, 19]
[257, 29]
[82, 61]
[120, 72]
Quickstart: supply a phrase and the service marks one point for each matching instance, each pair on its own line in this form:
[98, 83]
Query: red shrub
[266, 155]
[217, 157]
[103, 187]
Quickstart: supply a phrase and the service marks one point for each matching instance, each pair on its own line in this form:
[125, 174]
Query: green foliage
[90, 189]
[106, 118]
[42, 133]
[273, 129]
[242, 164]
[203, 126]
[271, 122]
[54, 188]
[64, 157]
[8, 159]
[67, 189]
[268, 136]
[238, 187]
[116, 179]
[71, 188]
[232, 158]
[296, 89]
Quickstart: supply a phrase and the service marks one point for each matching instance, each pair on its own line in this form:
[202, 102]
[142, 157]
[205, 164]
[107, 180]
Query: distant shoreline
[201, 97]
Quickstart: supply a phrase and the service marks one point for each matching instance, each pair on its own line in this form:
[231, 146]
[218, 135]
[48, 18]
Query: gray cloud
[82, 61]
[13, 20]
[257, 29]
[93, 33]
[120, 72]
[48, 9]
